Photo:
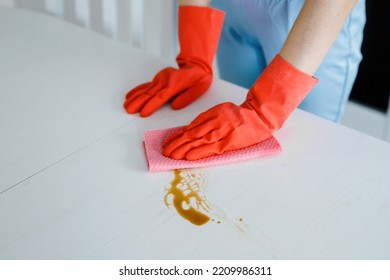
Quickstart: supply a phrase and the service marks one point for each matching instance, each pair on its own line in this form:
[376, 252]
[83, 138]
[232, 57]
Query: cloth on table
[153, 140]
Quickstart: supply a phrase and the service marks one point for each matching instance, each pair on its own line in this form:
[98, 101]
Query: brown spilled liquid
[185, 194]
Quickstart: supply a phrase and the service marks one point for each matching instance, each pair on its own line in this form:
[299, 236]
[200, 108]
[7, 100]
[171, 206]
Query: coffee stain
[186, 194]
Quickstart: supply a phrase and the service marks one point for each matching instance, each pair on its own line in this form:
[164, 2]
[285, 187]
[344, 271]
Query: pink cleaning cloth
[153, 140]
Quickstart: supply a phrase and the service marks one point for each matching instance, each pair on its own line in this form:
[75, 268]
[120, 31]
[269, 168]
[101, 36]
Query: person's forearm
[314, 31]
[203, 3]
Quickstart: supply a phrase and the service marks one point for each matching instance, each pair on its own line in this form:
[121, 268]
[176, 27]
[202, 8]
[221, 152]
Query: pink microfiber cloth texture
[153, 140]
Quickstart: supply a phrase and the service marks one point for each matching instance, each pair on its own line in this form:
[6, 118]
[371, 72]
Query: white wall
[147, 24]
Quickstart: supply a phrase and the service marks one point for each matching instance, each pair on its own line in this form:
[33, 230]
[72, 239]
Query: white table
[74, 182]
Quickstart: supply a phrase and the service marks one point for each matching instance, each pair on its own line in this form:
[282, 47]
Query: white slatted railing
[146, 24]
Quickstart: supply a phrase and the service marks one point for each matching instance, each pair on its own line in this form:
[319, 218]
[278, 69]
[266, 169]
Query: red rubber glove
[199, 32]
[273, 97]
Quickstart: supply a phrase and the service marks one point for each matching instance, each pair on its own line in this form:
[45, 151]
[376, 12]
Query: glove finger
[199, 123]
[176, 134]
[213, 136]
[203, 152]
[173, 136]
[139, 99]
[205, 131]
[204, 122]
[175, 143]
[161, 94]
[207, 150]
[132, 97]
[180, 152]
[138, 88]
[229, 143]
[191, 94]
[136, 103]
[151, 88]
[180, 137]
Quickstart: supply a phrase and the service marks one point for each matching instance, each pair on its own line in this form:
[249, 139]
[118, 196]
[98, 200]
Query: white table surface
[74, 182]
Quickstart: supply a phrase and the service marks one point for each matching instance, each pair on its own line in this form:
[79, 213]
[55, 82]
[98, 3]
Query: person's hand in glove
[199, 32]
[273, 97]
